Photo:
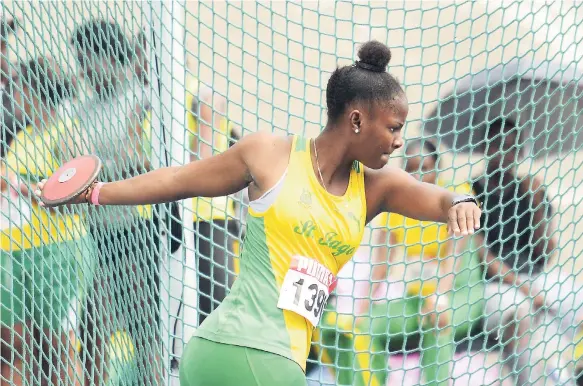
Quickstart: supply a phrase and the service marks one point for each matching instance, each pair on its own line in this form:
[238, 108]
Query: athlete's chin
[380, 162]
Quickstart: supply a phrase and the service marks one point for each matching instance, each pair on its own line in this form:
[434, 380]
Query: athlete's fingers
[41, 184]
[39, 187]
[461, 219]
[453, 225]
[469, 219]
[477, 215]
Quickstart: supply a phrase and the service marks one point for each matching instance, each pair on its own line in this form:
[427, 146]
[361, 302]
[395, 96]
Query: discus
[71, 180]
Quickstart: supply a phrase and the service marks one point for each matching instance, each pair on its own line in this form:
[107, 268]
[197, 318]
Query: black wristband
[466, 198]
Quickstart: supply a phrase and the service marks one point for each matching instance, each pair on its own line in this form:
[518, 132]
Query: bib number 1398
[306, 288]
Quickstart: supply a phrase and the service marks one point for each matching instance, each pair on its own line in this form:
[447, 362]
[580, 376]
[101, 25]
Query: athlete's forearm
[430, 202]
[155, 187]
[414, 199]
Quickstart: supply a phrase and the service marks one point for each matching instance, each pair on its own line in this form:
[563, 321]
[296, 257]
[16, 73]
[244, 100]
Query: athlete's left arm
[393, 190]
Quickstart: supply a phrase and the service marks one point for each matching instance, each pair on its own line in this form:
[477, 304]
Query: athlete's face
[379, 132]
[100, 71]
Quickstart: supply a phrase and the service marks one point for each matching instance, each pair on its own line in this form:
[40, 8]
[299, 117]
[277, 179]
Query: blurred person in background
[214, 218]
[141, 67]
[110, 124]
[46, 256]
[7, 127]
[141, 64]
[428, 249]
[519, 239]
[513, 250]
[10, 212]
[7, 28]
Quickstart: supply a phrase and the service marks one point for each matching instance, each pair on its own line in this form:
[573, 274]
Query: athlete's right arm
[219, 175]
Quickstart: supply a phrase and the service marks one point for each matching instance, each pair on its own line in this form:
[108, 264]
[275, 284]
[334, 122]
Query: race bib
[306, 288]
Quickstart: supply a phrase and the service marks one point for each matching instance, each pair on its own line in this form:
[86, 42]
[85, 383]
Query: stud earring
[357, 130]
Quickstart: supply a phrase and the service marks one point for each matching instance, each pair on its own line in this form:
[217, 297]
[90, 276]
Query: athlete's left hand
[463, 219]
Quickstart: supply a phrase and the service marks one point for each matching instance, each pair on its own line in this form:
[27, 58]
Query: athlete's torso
[293, 250]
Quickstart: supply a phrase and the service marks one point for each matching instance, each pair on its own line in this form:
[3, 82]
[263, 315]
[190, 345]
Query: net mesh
[111, 295]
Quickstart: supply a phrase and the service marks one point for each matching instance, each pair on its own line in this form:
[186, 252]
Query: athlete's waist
[251, 342]
[249, 316]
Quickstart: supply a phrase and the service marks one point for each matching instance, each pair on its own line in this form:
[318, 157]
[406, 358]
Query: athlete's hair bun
[375, 54]
[366, 80]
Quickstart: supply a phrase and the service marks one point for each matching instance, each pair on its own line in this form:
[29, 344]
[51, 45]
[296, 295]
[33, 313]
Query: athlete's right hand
[83, 198]
[38, 191]
[463, 219]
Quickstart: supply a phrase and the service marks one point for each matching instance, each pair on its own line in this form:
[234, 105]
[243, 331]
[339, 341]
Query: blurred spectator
[516, 229]
[7, 28]
[47, 256]
[140, 66]
[518, 239]
[141, 59]
[428, 249]
[10, 212]
[7, 126]
[111, 126]
[214, 219]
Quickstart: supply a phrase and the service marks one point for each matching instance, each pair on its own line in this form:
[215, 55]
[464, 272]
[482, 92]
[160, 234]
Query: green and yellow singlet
[294, 247]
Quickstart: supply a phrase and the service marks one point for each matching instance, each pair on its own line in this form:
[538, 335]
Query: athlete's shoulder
[264, 149]
[262, 142]
[266, 156]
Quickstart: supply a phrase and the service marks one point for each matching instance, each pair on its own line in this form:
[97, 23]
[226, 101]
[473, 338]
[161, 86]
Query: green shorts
[208, 363]
[46, 284]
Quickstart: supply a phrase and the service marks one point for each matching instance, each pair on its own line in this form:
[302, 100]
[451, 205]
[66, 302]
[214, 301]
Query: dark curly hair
[103, 38]
[367, 80]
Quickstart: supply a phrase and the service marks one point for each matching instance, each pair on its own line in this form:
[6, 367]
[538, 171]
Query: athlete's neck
[333, 161]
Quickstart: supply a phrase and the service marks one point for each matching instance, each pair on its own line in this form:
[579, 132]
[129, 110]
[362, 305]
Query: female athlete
[309, 202]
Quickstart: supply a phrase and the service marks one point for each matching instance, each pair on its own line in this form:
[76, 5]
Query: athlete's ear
[355, 117]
